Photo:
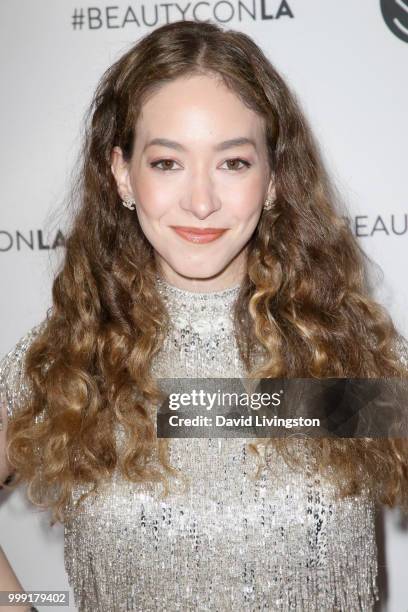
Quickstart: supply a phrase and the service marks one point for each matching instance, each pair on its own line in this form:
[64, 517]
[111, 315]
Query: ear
[271, 188]
[120, 170]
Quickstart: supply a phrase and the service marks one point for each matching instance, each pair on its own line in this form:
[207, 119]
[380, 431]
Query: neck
[231, 277]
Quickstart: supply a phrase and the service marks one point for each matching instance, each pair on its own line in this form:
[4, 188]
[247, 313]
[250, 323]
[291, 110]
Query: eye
[245, 163]
[167, 164]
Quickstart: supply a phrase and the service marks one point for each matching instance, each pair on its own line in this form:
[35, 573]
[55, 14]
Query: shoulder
[400, 350]
[12, 380]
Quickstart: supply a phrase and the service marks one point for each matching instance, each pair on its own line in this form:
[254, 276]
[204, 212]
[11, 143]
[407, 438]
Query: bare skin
[198, 182]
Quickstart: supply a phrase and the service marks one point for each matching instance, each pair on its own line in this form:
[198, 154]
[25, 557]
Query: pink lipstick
[200, 236]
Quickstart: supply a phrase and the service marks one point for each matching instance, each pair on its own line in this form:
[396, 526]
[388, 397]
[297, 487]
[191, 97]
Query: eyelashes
[156, 164]
[161, 161]
[242, 161]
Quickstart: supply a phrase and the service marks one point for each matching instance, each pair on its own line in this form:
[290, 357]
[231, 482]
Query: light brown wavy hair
[305, 299]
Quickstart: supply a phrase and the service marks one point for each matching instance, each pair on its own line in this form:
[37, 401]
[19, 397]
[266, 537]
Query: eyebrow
[221, 146]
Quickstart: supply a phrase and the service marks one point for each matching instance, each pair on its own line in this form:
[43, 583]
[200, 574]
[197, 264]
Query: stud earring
[129, 203]
[268, 203]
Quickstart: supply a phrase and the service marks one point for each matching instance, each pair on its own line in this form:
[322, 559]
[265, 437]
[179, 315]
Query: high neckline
[200, 316]
[177, 293]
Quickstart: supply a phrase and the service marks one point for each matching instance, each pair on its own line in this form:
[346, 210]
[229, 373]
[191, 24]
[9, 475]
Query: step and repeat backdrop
[346, 61]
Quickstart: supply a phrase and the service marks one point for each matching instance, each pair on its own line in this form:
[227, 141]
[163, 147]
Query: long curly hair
[305, 299]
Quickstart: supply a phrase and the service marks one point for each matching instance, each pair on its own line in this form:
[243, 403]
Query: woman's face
[199, 163]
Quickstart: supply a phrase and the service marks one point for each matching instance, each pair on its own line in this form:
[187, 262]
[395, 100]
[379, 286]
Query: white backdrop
[346, 61]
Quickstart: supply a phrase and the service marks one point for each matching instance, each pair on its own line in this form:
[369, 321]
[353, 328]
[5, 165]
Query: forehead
[200, 106]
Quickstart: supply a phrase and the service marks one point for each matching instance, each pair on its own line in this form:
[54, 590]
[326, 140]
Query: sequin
[230, 542]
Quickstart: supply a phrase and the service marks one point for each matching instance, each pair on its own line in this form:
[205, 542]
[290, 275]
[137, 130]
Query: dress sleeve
[401, 349]
[13, 386]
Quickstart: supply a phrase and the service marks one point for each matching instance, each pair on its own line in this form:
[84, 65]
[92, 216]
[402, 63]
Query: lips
[202, 235]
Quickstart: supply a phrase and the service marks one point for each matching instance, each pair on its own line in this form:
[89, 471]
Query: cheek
[246, 208]
[152, 200]
[247, 202]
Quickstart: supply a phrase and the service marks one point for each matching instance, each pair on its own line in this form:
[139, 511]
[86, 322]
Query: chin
[198, 270]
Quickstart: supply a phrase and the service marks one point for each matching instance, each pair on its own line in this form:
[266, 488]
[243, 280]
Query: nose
[200, 197]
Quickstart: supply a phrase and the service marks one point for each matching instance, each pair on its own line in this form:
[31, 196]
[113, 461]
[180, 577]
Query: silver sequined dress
[230, 543]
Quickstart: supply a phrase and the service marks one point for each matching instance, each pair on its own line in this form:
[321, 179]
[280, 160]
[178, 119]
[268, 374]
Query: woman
[207, 244]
